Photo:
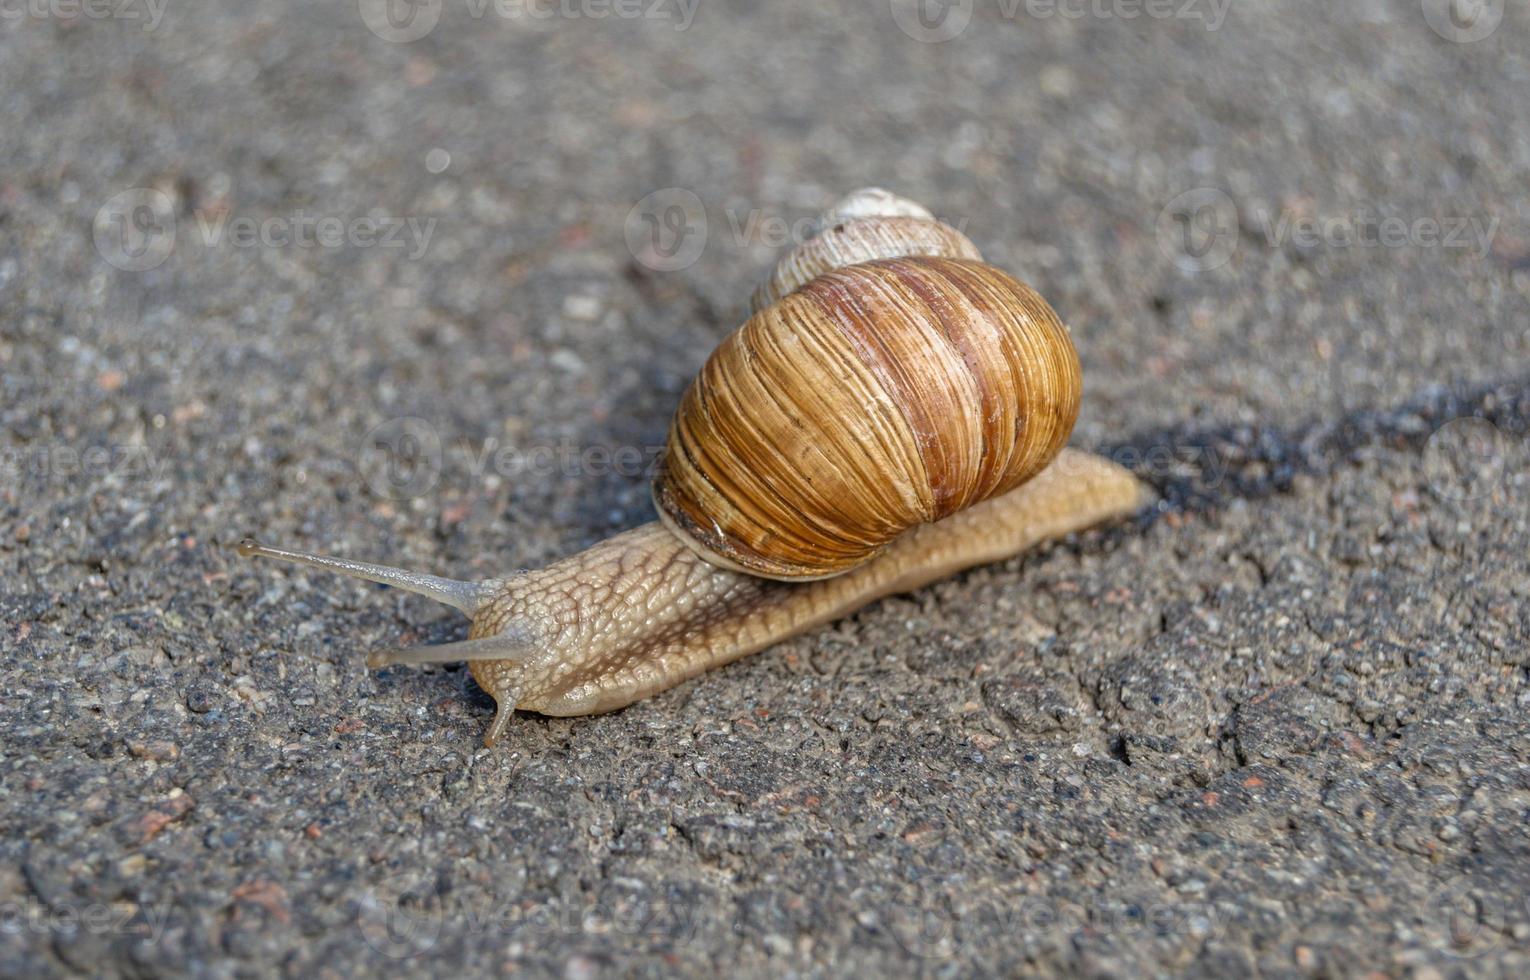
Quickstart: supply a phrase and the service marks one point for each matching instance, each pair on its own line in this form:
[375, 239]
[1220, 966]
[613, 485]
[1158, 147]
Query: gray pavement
[279, 269]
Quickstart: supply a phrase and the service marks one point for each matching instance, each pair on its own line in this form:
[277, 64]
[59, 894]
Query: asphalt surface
[1277, 726]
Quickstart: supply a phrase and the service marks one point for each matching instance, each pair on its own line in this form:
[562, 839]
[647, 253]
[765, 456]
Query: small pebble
[202, 697]
[581, 307]
[158, 750]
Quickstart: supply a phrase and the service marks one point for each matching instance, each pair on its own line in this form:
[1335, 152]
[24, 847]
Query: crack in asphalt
[1200, 469]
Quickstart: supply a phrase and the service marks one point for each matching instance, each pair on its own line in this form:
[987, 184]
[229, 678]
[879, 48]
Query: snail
[894, 411]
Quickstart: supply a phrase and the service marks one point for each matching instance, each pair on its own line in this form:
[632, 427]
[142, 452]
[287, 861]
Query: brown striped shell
[874, 397]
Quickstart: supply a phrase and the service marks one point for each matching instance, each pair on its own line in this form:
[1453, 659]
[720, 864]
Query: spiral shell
[875, 397]
[868, 224]
[870, 202]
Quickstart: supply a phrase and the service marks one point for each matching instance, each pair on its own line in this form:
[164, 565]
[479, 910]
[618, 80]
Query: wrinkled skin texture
[641, 612]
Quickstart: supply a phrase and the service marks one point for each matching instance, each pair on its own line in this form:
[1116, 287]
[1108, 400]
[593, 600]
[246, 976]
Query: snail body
[895, 416]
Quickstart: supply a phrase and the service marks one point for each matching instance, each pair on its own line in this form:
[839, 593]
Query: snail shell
[867, 224]
[871, 202]
[872, 397]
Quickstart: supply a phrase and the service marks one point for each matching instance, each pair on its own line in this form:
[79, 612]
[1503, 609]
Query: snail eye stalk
[466, 596]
